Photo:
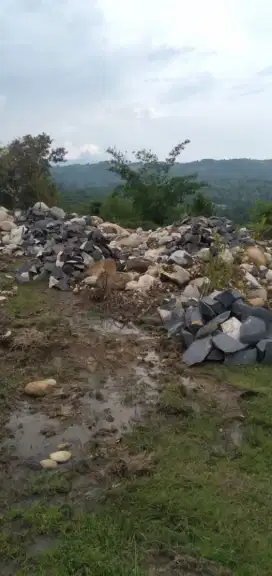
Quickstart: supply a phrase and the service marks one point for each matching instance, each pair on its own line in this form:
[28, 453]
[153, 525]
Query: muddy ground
[116, 371]
[109, 371]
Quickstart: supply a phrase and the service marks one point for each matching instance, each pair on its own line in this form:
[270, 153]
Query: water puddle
[110, 326]
[34, 435]
[108, 407]
[40, 545]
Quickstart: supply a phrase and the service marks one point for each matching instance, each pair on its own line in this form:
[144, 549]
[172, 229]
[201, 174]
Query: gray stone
[248, 356]
[186, 337]
[172, 316]
[215, 356]
[41, 206]
[181, 257]
[191, 292]
[228, 297]
[252, 282]
[203, 254]
[57, 212]
[264, 350]
[252, 330]
[243, 311]
[193, 319]
[177, 274]
[213, 325]
[210, 307]
[227, 344]
[226, 256]
[198, 351]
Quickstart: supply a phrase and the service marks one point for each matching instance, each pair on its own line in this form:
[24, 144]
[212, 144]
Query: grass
[199, 502]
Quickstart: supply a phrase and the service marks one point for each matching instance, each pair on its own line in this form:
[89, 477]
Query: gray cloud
[185, 88]
[165, 53]
[63, 71]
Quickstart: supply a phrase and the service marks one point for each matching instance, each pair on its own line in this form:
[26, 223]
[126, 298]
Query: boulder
[7, 225]
[132, 241]
[111, 228]
[256, 255]
[226, 257]
[203, 255]
[138, 265]
[57, 212]
[198, 351]
[181, 257]
[175, 274]
[41, 206]
[252, 330]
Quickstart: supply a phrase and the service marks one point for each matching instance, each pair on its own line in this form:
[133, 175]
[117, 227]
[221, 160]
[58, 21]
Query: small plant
[220, 273]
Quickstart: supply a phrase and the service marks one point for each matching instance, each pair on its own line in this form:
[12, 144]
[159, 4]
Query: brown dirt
[109, 370]
[108, 375]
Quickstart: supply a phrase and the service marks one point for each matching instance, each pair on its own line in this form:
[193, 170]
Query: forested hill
[82, 176]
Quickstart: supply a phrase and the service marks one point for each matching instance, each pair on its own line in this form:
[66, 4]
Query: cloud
[267, 71]
[94, 74]
[165, 53]
[185, 88]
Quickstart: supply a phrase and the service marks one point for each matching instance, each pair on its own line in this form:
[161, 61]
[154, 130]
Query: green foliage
[25, 171]
[262, 219]
[200, 206]
[150, 187]
[234, 185]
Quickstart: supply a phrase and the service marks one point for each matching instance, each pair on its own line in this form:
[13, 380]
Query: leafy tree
[262, 219]
[201, 206]
[149, 185]
[25, 171]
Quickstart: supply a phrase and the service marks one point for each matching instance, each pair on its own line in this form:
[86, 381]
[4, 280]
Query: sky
[139, 74]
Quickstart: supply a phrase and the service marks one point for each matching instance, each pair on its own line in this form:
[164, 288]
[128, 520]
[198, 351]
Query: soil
[109, 371]
[114, 367]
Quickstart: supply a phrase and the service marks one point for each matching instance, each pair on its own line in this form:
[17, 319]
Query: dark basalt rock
[198, 351]
[210, 307]
[252, 330]
[264, 351]
[248, 356]
[227, 344]
[213, 325]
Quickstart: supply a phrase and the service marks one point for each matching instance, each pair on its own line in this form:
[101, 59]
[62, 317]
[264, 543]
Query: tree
[201, 206]
[155, 194]
[25, 171]
[262, 219]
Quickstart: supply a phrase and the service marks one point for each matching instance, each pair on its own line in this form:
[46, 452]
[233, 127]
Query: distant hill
[234, 186]
[82, 176]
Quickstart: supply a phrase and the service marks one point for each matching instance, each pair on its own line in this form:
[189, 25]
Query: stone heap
[59, 247]
[221, 328]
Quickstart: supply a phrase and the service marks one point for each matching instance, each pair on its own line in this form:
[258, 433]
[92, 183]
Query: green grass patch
[197, 502]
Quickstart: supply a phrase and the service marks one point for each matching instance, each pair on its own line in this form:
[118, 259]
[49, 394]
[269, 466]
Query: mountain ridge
[97, 174]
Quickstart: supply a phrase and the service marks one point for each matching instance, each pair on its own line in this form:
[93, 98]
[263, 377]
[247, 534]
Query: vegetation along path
[170, 468]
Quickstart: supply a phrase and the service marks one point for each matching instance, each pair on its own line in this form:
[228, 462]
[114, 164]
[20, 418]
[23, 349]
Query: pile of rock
[221, 328]
[59, 247]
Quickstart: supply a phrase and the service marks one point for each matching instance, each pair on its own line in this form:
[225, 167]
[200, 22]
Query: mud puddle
[34, 435]
[110, 326]
[106, 408]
